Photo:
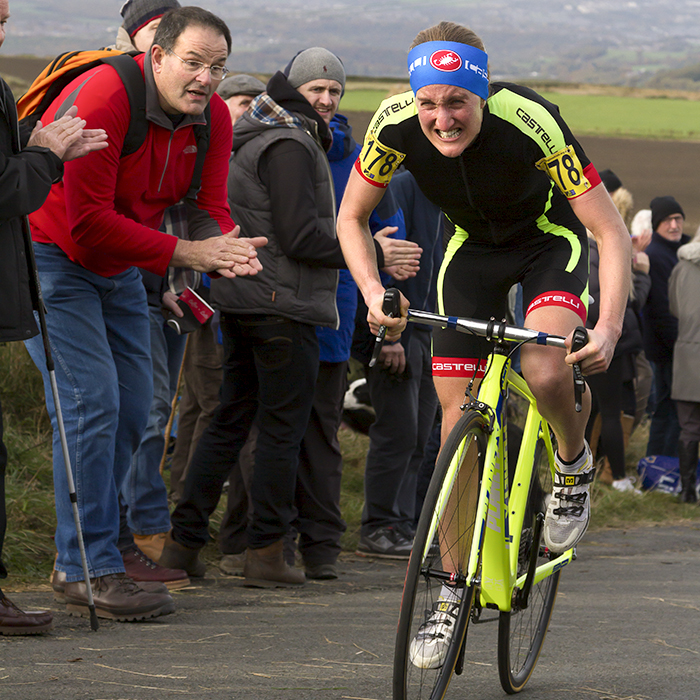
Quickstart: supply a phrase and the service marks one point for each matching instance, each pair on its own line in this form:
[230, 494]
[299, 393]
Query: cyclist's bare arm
[355, 238]
[599, 215]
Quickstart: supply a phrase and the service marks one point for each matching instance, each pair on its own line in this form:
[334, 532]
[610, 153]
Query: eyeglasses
[197, 67]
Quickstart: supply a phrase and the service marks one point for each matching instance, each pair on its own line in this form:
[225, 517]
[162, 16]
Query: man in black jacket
[660, 326]
[26, 176]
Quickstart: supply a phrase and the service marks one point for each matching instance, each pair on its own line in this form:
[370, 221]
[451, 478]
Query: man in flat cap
[238, 92]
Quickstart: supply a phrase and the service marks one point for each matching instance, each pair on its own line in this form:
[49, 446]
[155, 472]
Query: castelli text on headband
[449, 63]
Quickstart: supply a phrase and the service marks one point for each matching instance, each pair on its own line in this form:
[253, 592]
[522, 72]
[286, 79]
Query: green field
[597, 115]
[362, 100]
[604, 115]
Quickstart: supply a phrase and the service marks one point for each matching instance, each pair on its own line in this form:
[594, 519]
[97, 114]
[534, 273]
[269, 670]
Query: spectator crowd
[230, 201]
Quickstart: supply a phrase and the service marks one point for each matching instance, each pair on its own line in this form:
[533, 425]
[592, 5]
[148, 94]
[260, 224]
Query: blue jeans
[144, 491]
[99, 333]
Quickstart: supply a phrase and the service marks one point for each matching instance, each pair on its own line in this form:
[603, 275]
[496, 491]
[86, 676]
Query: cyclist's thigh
[555, 296]
[556, 276]
[473, 282]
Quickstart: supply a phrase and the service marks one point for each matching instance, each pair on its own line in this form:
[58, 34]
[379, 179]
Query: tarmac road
[626, 626]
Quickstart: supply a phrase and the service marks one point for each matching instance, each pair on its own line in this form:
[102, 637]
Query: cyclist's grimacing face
[450, 117]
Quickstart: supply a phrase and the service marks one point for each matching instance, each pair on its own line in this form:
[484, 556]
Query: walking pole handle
[580, 338]
[391, 306]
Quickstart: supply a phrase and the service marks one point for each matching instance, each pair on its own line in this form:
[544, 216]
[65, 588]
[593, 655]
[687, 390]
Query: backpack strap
[132, 77]
[202, 134]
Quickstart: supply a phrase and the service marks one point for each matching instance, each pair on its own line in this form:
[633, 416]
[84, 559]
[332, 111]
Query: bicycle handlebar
[491, 330]
[499, 331]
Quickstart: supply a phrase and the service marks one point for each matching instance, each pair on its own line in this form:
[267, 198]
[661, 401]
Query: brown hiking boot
[141, 568]
[266, 567]
[232, 564]
[177, 556]
[151, 545]
[58, 583]
[15, 621]
[117, 597]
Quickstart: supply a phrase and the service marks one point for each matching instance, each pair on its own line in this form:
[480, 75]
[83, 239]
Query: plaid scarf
[268, 112]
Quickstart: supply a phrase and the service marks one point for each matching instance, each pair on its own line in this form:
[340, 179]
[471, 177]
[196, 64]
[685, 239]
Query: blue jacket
[335, 344]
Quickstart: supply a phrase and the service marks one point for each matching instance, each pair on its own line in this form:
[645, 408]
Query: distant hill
[627, 42]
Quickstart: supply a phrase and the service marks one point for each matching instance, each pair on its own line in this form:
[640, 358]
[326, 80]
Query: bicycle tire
[521, 632]
[450, 505]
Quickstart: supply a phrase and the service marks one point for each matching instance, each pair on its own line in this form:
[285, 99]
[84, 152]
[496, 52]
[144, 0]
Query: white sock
[450, 594]
[577, 466]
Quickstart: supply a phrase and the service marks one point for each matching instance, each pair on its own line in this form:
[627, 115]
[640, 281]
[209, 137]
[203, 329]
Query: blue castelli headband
[449, 63]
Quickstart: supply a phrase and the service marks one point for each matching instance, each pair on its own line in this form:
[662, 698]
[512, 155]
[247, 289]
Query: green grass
[607, 115]
[610, 508]
[29, 546]
[598, 115]
[364, 100]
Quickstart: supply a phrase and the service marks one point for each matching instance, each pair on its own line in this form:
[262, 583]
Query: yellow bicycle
[480, 528]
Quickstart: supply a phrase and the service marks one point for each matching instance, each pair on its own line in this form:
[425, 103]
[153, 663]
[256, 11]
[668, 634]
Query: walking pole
[173, 406]
[94, 624]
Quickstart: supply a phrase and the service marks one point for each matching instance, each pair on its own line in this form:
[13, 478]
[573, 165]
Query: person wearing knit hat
[141, 19]
[611, 181]
[314, 64]
[667, 217]
[319, 76]
[660, 326]
[280, 184]
[238, 92]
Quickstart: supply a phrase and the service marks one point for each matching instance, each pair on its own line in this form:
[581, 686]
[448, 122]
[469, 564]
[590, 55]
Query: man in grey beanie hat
[238, 92]
[314, 64]
[280, 183]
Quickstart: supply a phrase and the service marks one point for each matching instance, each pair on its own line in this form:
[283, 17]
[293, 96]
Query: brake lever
[391, 306]
[580, 338]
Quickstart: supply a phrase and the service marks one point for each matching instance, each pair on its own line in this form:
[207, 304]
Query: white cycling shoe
[569, 509]
[429, 647]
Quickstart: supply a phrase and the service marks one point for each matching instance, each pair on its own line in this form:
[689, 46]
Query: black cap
[611, 181]
[661, 207]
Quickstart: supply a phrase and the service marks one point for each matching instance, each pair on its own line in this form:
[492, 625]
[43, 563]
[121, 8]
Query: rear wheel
[440, 556]
[521, 631]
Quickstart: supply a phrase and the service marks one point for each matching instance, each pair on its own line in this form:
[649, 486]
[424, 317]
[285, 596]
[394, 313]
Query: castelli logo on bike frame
[445, 60]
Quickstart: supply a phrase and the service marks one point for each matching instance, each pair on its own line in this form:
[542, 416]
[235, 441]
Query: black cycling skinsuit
[505, 199]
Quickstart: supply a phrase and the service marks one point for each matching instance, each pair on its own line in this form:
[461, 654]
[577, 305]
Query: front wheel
[521, 631]
[424, 661]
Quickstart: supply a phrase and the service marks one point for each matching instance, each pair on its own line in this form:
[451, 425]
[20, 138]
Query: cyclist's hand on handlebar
[376, 317]
[596, 355]
[393, 358]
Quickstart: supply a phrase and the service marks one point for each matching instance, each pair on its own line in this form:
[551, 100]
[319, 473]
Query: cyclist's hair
[448, 31]
[174, 22]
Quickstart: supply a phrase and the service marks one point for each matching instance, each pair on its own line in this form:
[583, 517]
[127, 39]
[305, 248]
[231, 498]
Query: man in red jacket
[28, 167]
[95, 228]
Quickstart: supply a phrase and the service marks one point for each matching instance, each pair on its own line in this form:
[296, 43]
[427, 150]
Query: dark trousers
[664, 429]
[270, 368]
[3, 512]
[607, 391]
[689, 419]
[233, 533]
[319, 522]
[201, 378]
[405, 413]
